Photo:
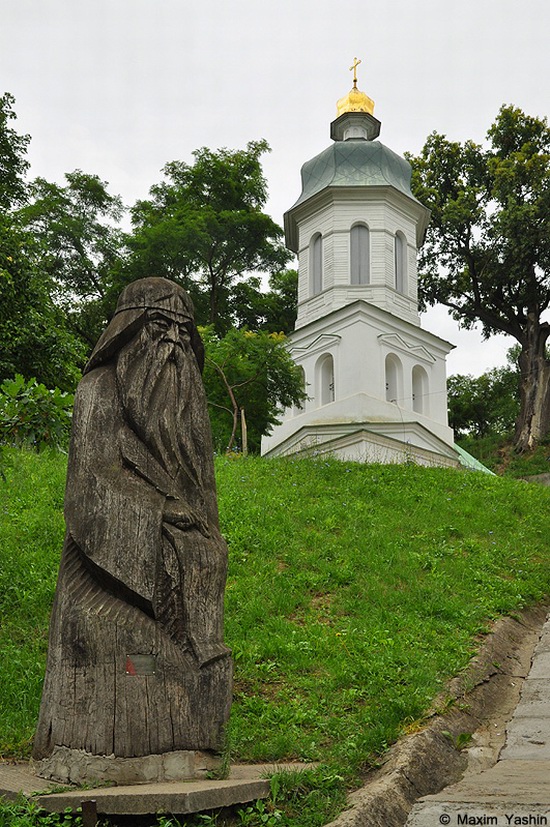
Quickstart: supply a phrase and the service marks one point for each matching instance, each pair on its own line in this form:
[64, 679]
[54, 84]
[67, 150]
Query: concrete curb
[483, 699]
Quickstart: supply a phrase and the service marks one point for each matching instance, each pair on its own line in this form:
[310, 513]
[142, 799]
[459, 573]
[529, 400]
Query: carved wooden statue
[136, 662]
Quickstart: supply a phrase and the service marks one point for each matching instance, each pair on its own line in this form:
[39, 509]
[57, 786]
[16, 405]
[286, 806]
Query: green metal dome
[355, 163]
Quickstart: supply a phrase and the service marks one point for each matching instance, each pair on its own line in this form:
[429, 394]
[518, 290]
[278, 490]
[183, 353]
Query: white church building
[375, 380]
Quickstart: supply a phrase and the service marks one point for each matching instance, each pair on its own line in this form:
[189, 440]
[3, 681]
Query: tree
[204, 227]
[487, 250]
[13, 164]
[77, 246]
[273, 310]
[483, 405]
[281, 302]
[251, 372]
[36, 341]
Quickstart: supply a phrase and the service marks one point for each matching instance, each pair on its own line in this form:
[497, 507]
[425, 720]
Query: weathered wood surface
[136, 661]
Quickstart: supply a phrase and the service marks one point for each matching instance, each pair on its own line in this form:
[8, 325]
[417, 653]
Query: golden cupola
[355, 118]
[355, 100]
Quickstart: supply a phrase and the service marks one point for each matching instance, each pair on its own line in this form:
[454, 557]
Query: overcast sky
[119, 87]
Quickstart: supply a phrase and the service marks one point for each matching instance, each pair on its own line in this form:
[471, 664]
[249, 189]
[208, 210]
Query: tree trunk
[234, 404]
[533, 423]
[244, 434]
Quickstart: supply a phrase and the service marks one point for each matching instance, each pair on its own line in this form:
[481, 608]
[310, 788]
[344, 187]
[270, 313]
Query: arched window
[400, 263]
[420, 389]
[324, 391]
[316, 264]
[359, 242]
[394, 379]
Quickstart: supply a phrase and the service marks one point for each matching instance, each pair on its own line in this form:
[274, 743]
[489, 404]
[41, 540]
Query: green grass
[354, 593]
[28, 814]
[497, 453]
[31, 534]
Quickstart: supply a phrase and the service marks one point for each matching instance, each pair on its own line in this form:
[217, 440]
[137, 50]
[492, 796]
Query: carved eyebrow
[158, 315]
[167, 317]
[167, 314]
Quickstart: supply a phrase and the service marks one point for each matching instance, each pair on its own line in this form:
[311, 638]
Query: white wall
[332, 215]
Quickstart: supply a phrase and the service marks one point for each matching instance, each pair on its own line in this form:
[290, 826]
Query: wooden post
[244, 433]
[89, 813]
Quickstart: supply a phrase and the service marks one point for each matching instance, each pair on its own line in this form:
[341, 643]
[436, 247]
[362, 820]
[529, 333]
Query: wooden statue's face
[167, 327]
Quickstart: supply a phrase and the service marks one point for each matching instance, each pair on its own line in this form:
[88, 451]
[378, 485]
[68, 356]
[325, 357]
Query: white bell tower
[375, 379]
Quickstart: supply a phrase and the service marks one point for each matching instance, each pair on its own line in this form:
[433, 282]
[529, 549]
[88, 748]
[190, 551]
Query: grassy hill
[497, 453]
[354, 593]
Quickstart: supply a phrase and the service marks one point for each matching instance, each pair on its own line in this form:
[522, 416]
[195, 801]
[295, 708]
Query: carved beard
[157, 383]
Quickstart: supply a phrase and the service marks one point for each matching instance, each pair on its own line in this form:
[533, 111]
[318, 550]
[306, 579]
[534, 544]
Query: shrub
[34, 416]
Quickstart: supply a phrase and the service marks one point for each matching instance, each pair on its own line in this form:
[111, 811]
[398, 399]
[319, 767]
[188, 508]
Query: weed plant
[354, 592]
[31, 415]
[25, 813]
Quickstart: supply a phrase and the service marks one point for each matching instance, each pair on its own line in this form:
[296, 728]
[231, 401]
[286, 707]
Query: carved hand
[183, 517]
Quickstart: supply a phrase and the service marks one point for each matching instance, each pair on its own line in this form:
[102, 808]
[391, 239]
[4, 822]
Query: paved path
[516, 790]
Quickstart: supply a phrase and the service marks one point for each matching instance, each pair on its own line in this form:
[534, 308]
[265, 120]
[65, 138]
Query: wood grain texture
[136, 662]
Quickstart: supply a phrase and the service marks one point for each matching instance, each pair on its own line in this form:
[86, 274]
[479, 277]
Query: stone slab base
[75, 766]
[177, 797]
[246, 783]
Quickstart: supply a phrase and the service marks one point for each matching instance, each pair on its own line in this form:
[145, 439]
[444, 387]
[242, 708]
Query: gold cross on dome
[354, 70]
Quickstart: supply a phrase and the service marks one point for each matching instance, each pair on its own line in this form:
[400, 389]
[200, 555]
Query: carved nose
[171, 334]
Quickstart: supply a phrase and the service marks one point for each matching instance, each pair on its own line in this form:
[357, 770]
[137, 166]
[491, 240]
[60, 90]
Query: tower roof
[352, 164]
[355, 163]
[355, 159]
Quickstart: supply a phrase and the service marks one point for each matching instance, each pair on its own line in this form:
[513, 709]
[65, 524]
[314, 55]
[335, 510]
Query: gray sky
[119, 87]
